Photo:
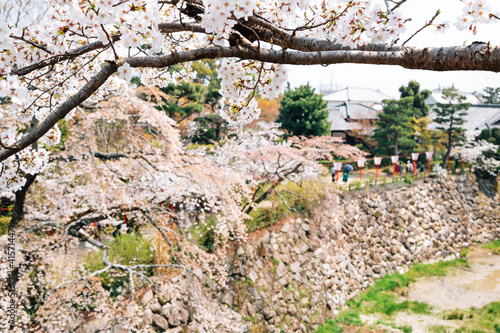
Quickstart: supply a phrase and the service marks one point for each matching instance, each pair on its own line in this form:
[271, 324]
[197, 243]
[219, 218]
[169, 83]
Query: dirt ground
[475, 286]
[471, 287]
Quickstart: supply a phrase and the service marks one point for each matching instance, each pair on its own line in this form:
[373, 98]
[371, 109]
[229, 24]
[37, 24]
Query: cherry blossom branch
[472, 57]
[427, 24]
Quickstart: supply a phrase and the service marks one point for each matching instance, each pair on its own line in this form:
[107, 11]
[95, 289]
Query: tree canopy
[420, 108]
[302, 112]
[491, 95]
[394, 132]
[82, 51]
[449, 116]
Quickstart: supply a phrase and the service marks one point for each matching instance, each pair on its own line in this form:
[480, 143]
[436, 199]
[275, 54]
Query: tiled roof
[356, 95]
[479, 117]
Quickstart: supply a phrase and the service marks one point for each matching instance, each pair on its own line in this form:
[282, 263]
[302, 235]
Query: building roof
[479, 117]
[436, 96]
[356, 95]
[358, 111]
[338, 123]
[338, 116]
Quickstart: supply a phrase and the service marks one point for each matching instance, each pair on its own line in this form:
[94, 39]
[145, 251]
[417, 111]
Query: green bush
[330, 327]
[127, 249]
[4, 224]
[485, 134]
[204, 234]
[409, 179]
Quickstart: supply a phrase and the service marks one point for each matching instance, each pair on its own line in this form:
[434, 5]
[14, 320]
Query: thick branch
[52, 119]
[473, 57]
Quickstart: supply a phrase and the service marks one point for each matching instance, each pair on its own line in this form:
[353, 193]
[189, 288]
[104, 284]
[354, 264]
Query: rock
[174, 319]
[295, 267]
[155, 307]
[147, 319]
[160, 321]
[94, 325]
[252, 275]
[184, 315]
[269, 314]
[148, 296]
[281, 270]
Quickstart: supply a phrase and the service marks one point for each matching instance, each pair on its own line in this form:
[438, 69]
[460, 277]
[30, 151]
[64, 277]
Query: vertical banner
[414, 157]
[377, 161]
[337, 167]
[428, 155]
[394, 160]
[361, 164]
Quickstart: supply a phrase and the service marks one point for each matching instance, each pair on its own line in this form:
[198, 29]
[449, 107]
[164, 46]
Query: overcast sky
[388, 79]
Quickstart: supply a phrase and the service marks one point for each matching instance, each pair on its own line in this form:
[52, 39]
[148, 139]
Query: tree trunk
[448, 151]
[18, 211]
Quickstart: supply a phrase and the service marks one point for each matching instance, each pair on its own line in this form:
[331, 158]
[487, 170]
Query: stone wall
[296, 274]
[299, 273]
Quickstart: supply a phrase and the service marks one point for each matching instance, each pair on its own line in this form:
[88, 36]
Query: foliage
[491, 95]
[4, 224]
[302, 199]
[494, 247]
[126, 249]
[420, 108]
[330, 327]
[409, 179]
[270, 109]
[302, 112]
[449, 116]
[203, 234]
[394, 132]
[382, 296]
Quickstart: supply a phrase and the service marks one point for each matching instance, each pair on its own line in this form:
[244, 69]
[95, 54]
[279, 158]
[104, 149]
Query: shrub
[128, 249]
[409, 178]
[4, 224]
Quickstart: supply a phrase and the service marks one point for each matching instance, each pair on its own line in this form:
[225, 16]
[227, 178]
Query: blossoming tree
[85, 51]
[71, 56]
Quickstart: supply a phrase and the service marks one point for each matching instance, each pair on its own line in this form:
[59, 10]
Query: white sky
[388, 79]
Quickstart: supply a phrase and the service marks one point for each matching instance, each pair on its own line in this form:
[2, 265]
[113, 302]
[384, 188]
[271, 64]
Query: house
[436, 96]
[366, 96]
[479, 117]
[353, 112]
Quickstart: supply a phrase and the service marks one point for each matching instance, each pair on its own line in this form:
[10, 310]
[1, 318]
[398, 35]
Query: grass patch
[303, 198]
[405, 329]
[383, 297]
[330, 327]
[350, 317]
[437, 269]
[127, 249]
[494, 247]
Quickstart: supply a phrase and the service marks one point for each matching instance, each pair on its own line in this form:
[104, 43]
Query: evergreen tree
[394, 134]
[491, 95]
[450, 116]
[420, 108]
[302, 112]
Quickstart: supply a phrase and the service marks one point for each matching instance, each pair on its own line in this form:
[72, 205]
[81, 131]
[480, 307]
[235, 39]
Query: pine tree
[491, 95]
[420, 108]
[302, 112]
[394, 133]
[450, 116]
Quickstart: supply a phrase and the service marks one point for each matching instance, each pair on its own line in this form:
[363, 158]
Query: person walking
[347, 169]
[409, 167]
[332, 172]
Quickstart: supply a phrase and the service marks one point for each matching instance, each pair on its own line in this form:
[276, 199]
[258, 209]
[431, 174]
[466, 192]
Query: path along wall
[293, 278]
